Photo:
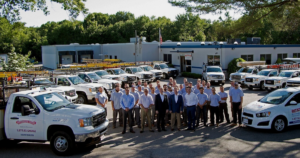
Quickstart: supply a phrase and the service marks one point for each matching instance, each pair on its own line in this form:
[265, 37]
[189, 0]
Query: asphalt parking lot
[222, 141]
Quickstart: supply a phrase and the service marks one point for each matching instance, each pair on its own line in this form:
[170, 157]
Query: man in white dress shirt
[146, 102]
[191, 102]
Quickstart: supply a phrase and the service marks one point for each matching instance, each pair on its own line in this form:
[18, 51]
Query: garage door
[67, 59]
[85, 56]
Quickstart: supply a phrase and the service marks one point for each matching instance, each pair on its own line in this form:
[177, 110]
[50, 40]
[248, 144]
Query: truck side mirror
[26, 110]
[293, 102]
[86, 79]
[36, 111]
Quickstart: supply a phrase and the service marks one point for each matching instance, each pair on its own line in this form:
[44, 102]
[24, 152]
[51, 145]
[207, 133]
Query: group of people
[171, 104]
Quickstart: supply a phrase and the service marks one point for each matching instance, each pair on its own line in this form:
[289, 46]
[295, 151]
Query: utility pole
[136, 42]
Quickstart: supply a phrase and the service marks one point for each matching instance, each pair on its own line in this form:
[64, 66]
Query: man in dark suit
[161, 108]
[175, 108]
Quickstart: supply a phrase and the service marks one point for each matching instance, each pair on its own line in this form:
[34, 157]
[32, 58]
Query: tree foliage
[232, 66]
[10, 9]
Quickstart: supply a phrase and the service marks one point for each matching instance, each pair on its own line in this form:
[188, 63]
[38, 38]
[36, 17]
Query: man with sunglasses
[127, 103]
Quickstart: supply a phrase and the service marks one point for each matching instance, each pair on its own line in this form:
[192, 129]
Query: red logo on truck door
[26, 121]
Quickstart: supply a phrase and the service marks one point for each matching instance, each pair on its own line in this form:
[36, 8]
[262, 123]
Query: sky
[149, 8]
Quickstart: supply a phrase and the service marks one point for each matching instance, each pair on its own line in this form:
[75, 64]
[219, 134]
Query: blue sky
[137, 7]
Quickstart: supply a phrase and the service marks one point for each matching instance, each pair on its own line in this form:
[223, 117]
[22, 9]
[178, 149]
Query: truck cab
[33, 115]
[157, 74]
[105, 75]
[258, 81]
[213, 74]
[280, 81]
[126, 78]
[86, 91]
[242, 73]
[167, 71]
[142, 75]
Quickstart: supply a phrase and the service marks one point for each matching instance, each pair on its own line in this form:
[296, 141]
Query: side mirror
[36, 111]
[293, 102]
[26, 110]
[86, 79]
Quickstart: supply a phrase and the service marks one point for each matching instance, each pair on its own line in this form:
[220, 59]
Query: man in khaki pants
[146, 102]
[175, 108]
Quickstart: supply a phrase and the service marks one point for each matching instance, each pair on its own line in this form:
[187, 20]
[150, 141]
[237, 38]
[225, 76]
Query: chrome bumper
[101, 130]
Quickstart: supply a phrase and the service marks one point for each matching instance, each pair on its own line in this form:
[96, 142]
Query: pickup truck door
[30, 127]
[293, 111]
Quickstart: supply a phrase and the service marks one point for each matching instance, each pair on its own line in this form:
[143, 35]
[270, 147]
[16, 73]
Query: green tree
[10, 9]
[17, 62]
[232, 66]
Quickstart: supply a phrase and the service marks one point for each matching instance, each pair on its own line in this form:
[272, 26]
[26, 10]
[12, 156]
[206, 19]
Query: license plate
[216, 80]
[245, 120]
[102, 137]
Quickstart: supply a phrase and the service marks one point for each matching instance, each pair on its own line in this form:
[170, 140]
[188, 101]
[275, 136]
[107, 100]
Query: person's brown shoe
[211, 125]
[132, 131]
[172, 129]
[121, 125]
[241, 125]
[114, 127]
[123, 132]
[217, 125]
[146, 125]
[178, 129]
[153, 125]
[233, 124]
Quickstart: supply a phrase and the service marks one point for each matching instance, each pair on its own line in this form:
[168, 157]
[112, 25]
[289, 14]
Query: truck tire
[165, 76]
[81, 99]
[250, 87]
[62, 144]
[279, 124]
[262, 86]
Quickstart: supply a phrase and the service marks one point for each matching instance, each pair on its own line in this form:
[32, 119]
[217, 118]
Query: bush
[262, 59]
[171, 65]
[191, 75]
[278, 61]
[232, 65]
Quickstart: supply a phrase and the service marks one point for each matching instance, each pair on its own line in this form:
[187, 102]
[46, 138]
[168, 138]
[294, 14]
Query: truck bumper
[158, 77]
[252, 84]
[217, 81]
[242, 81]
[270, 87]
[146, 80]
[92, 135]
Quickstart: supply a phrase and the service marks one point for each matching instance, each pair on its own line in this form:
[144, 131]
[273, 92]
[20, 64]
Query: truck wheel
[262, 86]
[279, 124]
[283, 85]
[81, 99]
[61, 143]
[250, 88]
[165, 76]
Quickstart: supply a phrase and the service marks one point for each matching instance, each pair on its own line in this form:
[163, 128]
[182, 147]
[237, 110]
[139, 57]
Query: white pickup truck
[47, 116]
[279, 81]
[85, 91]
[157, 74]
[124, 77]
[293, 82]
[242, 73]
[213, 74]
[144, 76]
[167, 71]
[258, 81]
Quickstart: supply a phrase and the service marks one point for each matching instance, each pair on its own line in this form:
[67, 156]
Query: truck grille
[270, 82]
[173, 73]
[249, 79]
[236, 77]
[132, 78]
[99, 119]
[70, 93]
[293, 83]
[216, 77]
[147, 76]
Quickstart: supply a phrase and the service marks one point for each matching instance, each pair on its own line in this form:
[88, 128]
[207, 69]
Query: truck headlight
[84, 122]
[123, 78]
[243, 76]
[92, 90]
[255, 79]
[263, 114]
[277, 81]
[141, 75]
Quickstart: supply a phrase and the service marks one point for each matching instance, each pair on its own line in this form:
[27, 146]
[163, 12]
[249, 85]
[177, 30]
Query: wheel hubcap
[279, 124]
[80, 100]
[263, 86]
[61, 144]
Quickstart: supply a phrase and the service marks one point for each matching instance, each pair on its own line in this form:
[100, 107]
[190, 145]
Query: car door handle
[14, 118]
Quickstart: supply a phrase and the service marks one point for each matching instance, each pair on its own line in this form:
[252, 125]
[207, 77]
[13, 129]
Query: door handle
[14, 118]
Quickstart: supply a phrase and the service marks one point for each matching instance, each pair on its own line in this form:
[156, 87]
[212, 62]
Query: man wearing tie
[127, 103]
[191, 102]
[161, 108]
[175, 108]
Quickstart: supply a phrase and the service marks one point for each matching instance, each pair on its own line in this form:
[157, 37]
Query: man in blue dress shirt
[127, 103]
[136, 108]
[116, 106]
[215, 101]
[201, 108]
[236, 99]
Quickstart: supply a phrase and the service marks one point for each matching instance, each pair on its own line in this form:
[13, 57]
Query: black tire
[165, 76]
[283, 85]
[82, 99]
[250, 88]
[62, 143]
[262, 86]
[279, 124]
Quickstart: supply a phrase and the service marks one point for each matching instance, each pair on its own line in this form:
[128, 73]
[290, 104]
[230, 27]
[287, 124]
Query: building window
[247, 57]
[168, 58]
[281, 56]
[266, 57]
[106, 56]
[116, 57]
[213, 59]
[296, 55]
[110, 57]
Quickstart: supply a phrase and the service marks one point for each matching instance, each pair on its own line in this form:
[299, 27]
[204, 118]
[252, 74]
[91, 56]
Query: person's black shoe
[141, 131]
[151, 130]
[194, 129]
[205, 125]
[159, 130]
[132, 131]
[172, 129]
[123, 132]
[197, 125]
[139, 126]
[228, 122]
[164, 130]
[188, 129]
[221, 121]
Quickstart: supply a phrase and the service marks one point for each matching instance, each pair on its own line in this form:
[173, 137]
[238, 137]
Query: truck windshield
[246, 70]
[94, 76]
[285, 74]
[163, 66]
[147, 68]
[276, 97]
[136, 69]
[76, 80]
[43, 81]
[118, 71]
[264, 73]
[52, 101]
[101, 73]
[215, 69]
